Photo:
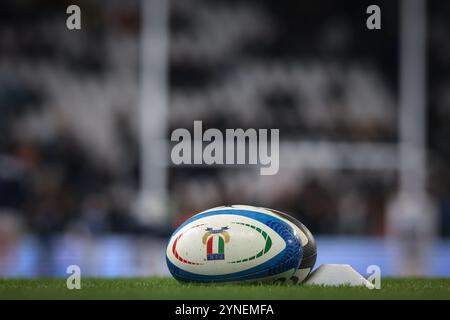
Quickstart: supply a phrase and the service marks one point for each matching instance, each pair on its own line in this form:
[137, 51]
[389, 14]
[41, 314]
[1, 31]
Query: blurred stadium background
[86, 116]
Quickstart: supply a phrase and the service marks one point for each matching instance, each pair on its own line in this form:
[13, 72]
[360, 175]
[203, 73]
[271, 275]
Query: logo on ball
[215, 241]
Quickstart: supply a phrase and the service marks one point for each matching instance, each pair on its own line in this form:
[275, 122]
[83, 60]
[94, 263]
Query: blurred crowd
[69, 149]
[63, 119]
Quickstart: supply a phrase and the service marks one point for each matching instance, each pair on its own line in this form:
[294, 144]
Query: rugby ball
[234, 243]
[308, 244]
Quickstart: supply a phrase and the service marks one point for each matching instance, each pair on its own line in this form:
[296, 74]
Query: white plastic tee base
[337, 275]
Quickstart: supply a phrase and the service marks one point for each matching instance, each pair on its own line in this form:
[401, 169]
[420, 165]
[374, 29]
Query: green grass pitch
[167, 288]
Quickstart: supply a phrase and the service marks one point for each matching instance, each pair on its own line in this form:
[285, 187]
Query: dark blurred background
[75, 181]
